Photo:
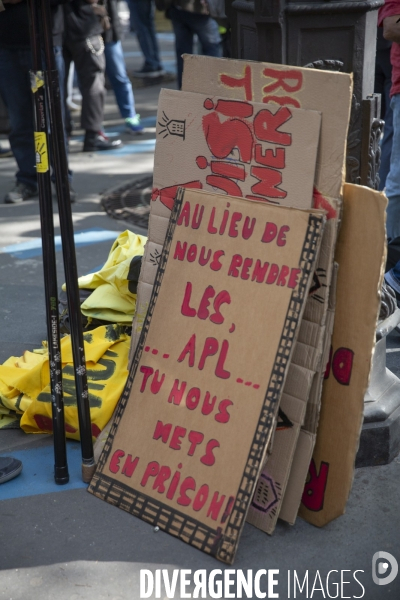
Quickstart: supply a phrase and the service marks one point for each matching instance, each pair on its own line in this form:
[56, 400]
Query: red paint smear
[208, 104]
[95, 430]
[239, 380]
[165, 355]
[46, 424]
[321, 202]
[201, 162]
[154, 351]
[147, 348]
[248, 383]
[167, 194]
[256, 386]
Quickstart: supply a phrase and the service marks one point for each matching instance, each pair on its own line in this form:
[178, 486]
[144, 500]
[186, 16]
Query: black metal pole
[49, 255]
[59, 156]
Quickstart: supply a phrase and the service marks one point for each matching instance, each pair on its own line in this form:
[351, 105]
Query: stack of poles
[49, 124]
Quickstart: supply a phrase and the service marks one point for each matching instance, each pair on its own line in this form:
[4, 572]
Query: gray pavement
[63, 543]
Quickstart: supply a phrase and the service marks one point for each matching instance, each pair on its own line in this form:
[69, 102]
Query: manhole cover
[130, 201]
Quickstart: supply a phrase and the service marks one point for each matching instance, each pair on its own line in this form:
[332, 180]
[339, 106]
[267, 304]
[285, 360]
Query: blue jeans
[383, 83]
[116, 72]
[393, 179]
[142, 16]
[186, 25]
[16, 92]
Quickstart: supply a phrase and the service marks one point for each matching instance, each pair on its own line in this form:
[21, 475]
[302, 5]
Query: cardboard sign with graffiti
[203, 376]
[257, 151]
[285, 86]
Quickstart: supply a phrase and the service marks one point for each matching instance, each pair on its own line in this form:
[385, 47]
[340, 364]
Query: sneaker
[133, 125]
[9, 468]
[147, 72]
[20, 193]
[5, 153]
[99, 141]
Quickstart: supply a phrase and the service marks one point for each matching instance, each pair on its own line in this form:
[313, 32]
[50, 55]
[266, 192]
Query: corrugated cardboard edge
[331, 432]
[305, 446]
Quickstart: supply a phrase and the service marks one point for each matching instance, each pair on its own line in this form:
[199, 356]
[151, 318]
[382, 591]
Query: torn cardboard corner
[203, 376]
[360, 276]
[325, 91]
[262, 152]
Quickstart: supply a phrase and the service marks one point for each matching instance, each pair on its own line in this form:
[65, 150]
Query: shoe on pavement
[95, 141]
[149, 73]
[72, 193]
[5, 153]
[20, 193]
[133, 125]
[9, 468]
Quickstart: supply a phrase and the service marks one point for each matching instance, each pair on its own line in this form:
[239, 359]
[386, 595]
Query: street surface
[63, 543]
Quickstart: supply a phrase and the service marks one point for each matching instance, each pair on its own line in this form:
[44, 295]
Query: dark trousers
[90, 67]
[186, 25]
[142, 18]
[16, 92]
[383, 83]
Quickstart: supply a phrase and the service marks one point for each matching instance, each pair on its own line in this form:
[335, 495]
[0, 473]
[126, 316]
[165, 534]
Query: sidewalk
[63, 543]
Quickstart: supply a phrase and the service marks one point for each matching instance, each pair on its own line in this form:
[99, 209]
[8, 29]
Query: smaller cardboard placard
[360, 254]
[265, 153]
[283, 85]
[191, 430]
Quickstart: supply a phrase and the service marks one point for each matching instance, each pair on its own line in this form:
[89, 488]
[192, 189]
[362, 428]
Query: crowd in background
[87, 38]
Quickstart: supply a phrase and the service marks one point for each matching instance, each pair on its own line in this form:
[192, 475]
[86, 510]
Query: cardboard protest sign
[359, 280]
[305, 88]
[284, 85]
[191, 430]
[257, 151]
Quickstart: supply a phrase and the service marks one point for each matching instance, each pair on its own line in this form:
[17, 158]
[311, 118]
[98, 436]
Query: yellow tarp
[25, 383]
[112, 299]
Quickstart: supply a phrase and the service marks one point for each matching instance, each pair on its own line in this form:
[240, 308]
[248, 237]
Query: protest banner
[191, 430]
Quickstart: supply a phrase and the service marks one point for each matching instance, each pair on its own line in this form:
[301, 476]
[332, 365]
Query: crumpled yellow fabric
[25, 382]
[111, 299]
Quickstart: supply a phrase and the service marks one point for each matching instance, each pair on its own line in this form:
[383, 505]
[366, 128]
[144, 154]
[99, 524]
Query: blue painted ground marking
[136, 147]
[138, 54]
[37, 475]
[82, 238]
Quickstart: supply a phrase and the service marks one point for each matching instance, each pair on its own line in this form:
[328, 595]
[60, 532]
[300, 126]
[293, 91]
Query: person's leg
[121, 85]
[181, 23]
[90, 67]
[142, 12]
[16, 93]
[383, 83]
[207, 31]
[393, 179]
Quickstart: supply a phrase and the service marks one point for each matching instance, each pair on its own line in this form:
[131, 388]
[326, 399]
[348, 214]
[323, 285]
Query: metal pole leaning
[61, 475]
[59, 155]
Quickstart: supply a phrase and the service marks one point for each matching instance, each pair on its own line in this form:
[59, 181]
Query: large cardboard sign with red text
[330, 93]
[260, 152]
[191, 430]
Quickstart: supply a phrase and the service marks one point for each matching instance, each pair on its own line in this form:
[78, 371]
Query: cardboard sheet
[305, 88]
[253, 150]
[360, 254]
[326, 91]
[203, 377]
